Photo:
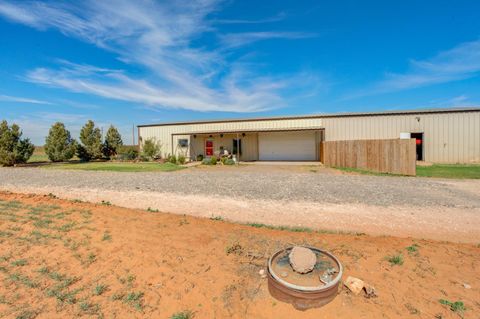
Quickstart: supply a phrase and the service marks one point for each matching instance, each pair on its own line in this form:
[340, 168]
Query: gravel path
[301, 196]
[262, 183]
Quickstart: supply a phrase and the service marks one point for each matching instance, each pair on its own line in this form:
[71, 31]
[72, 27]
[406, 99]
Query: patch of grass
[395, 260]
[106, 236]
[66, 227]
[17, 277]
[100, 289]
[217, 218]
[19, 262]
[89, 308]
[450, 171]
[134, 299]
[91, 258]
[363, 171]
[42, 223]
[235, 248]
[105, 203]
[5, 234]
[186, 314]
[457, 306]
[119, 167]
[295, 229]
[151, 210]
[412, 249]
[26, 314]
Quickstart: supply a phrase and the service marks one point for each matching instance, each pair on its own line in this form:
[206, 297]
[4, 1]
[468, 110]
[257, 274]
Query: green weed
[457, 306]
[187, 314]
[100, 289]
[19, 262]
[395, 260]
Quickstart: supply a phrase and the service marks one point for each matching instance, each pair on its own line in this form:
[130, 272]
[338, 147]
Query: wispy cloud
[279, 17]
[233, 40]
[459, 63]
[8, 98]
[160, 37]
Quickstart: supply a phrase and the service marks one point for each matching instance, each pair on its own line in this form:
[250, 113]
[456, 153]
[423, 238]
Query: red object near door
[208, 148]
[418, 141]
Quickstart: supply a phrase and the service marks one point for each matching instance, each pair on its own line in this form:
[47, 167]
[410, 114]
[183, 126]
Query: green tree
[91, 138]
[151, 148]
[59, 145]
[13, 149]
[113, 141]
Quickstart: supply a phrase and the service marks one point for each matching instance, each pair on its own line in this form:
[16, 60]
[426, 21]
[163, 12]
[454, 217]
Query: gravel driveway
[314, 197]
[261, 183]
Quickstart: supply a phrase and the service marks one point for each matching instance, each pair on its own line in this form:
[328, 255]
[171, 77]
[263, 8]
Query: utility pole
[133, 134]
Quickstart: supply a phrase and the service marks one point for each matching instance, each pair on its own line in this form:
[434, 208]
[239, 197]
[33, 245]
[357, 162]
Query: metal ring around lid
[302, 288]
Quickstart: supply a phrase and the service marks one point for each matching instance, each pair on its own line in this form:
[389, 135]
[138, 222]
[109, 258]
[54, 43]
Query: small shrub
[172, 159]
[181, 159]
[151, 210]
[151, 148]
[187, 314]
[127, 153]
[229, 161]
[213, 160]
[105, 203]
[396, 260]
[199, 157]
[206, 161]
[219, 218]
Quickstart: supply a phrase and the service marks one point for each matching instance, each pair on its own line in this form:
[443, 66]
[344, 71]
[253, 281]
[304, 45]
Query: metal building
[442, 135]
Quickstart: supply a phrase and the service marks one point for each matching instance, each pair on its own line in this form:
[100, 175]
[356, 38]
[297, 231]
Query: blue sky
[138, 62]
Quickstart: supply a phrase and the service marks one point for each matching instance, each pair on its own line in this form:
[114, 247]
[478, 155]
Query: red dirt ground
[55, 253]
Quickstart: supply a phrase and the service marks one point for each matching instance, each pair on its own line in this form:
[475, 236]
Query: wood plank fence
[394, 156]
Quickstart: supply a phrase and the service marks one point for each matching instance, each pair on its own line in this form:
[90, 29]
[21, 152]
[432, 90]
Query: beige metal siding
[452, 137]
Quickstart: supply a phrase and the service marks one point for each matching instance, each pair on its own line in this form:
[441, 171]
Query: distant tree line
[59, 144]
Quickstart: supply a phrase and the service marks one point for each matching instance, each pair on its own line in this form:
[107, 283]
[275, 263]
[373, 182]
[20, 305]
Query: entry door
[208, 147]
[419, 144]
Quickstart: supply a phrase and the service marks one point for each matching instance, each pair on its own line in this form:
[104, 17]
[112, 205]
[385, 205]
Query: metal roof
[325, 115]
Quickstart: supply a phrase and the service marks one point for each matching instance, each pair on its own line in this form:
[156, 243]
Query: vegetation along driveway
[312, 197]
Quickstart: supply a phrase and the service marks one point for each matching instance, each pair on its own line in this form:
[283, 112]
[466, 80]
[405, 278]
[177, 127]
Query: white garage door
[287, 146]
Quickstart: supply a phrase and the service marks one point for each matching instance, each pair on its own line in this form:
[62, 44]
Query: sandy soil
[55, 254]
[442, 223]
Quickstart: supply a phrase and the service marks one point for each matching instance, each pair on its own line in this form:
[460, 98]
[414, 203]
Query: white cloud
[8, 98]
[160, 37]
[459, 63]
[233, 40]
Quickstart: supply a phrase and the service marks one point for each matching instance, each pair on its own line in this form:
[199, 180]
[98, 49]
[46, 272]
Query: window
[234, 148]
[183, 142]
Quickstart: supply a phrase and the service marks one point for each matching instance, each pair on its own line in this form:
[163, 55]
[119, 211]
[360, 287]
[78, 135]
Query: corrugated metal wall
[448, 137]
[452, 137]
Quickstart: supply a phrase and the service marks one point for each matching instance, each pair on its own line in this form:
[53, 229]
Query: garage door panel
[287, 146]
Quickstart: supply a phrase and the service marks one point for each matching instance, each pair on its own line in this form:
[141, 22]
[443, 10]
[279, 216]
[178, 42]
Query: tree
[13, 149]
[113, 141]
[151, 148]
[91, 138]
[59, 144]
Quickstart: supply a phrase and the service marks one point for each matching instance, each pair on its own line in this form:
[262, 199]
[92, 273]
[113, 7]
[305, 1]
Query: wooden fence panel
[393, 156]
